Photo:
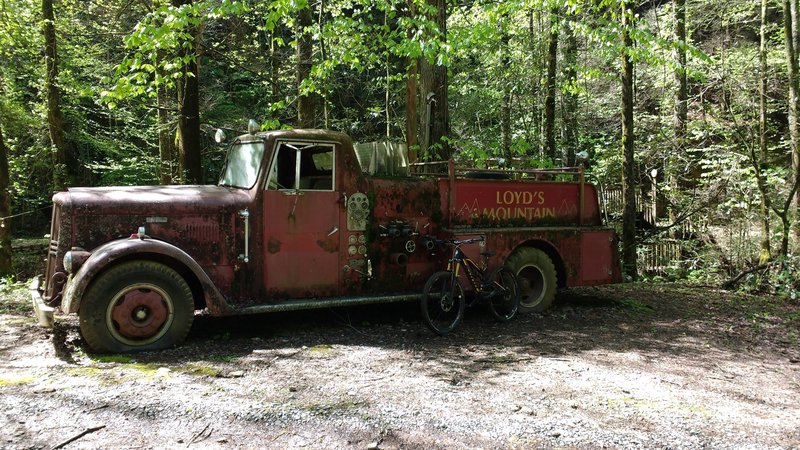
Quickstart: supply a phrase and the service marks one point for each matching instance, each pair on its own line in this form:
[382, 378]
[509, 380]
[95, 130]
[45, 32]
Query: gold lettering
[518, 198]
[518, 212]
[514, 206]
[502, 213]
[527, 198]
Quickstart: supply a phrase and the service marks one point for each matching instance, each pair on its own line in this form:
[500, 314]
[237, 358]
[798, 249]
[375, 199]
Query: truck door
[301, 220]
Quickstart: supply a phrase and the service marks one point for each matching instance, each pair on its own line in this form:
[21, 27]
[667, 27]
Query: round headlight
[74, 259]
[68, 261]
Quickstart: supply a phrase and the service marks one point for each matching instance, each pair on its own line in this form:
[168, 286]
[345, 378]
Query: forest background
[684, 110]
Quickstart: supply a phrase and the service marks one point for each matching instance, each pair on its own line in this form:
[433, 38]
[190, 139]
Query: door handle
[245, 214]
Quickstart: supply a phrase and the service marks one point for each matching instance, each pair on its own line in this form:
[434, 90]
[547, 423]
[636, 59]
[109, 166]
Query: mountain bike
[443, 299]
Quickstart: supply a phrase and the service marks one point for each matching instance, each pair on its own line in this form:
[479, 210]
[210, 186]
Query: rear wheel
[136, 306]
[502, 292]
[442, 302]
[536, 275]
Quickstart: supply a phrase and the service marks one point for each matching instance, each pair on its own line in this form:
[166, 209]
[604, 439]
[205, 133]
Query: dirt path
[618, 367]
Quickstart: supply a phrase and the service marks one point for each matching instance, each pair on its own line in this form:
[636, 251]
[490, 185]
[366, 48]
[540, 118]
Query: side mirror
[219, 136]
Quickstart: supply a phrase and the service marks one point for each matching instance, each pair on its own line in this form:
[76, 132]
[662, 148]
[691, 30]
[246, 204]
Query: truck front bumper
[44, 313]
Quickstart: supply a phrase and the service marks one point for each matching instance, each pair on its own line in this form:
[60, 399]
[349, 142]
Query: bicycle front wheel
[502, 293]
[442, 302]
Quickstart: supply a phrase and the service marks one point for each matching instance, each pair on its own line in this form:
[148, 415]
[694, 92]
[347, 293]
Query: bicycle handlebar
[458, 242]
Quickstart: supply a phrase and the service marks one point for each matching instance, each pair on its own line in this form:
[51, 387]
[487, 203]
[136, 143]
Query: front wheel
[136, 306]
[502, 293]
[443, 302]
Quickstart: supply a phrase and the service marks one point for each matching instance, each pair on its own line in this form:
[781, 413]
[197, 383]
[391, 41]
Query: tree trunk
[570, 118]
[274, 67]
[166, 142]
[306, 108]
[433, 89]
[796, 149]
[5, 211]
[535, 81]
[55, 119]
[794, 101]
[412, 118]
[680, 115]
[189, 106]
[189, 125]
[766, 251]
[411, 110]
[550, 97]
[505, 107]
[628, 162]
[166, 151]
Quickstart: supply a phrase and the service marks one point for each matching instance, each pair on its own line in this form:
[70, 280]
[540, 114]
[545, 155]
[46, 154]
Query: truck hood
[139, 200]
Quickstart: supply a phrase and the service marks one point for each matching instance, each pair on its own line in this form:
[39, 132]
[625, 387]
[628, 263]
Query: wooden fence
[612, 204]
[656, 256]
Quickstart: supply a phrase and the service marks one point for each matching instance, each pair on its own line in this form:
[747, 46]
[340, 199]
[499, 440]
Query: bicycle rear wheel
[502, 293]
[442, 302]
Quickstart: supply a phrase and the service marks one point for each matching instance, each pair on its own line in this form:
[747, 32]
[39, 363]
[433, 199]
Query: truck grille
[54, 276]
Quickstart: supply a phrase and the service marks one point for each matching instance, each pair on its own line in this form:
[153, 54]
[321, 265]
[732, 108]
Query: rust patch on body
[328, 245]
[273, 246]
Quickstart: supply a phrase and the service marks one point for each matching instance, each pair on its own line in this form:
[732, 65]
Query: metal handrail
[439, 169]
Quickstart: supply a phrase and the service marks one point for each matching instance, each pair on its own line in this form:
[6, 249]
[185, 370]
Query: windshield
[243, 164]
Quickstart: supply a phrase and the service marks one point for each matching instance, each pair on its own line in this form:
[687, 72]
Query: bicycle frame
[460, 262]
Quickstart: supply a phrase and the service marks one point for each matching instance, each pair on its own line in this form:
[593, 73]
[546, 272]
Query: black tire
[442, 302]
[536, 276]
[136, 306]
[502, 293]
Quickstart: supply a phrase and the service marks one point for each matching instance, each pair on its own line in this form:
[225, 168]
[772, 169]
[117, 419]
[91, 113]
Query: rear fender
[107, 255]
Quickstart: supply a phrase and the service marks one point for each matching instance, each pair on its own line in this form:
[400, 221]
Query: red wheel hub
[139, 313]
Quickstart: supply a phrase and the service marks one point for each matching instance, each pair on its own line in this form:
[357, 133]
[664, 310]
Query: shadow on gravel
[644, 319]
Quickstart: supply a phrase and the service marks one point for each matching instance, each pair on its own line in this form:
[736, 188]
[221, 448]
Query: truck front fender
[107, 255]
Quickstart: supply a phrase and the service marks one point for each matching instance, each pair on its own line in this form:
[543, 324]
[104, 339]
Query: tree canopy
[141, 85]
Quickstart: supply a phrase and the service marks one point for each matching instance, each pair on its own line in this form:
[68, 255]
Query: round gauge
[352, 239]
[352, 250]
[362, 239]
[362, 249]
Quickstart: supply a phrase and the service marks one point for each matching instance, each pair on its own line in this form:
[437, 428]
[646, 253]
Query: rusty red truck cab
[295, 223]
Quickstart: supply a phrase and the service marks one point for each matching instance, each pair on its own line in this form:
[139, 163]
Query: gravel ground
[628, 366]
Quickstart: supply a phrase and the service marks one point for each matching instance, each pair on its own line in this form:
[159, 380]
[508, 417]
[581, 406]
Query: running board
[336, 302]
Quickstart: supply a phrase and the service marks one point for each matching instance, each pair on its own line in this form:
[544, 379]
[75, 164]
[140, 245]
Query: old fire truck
[295, 223]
